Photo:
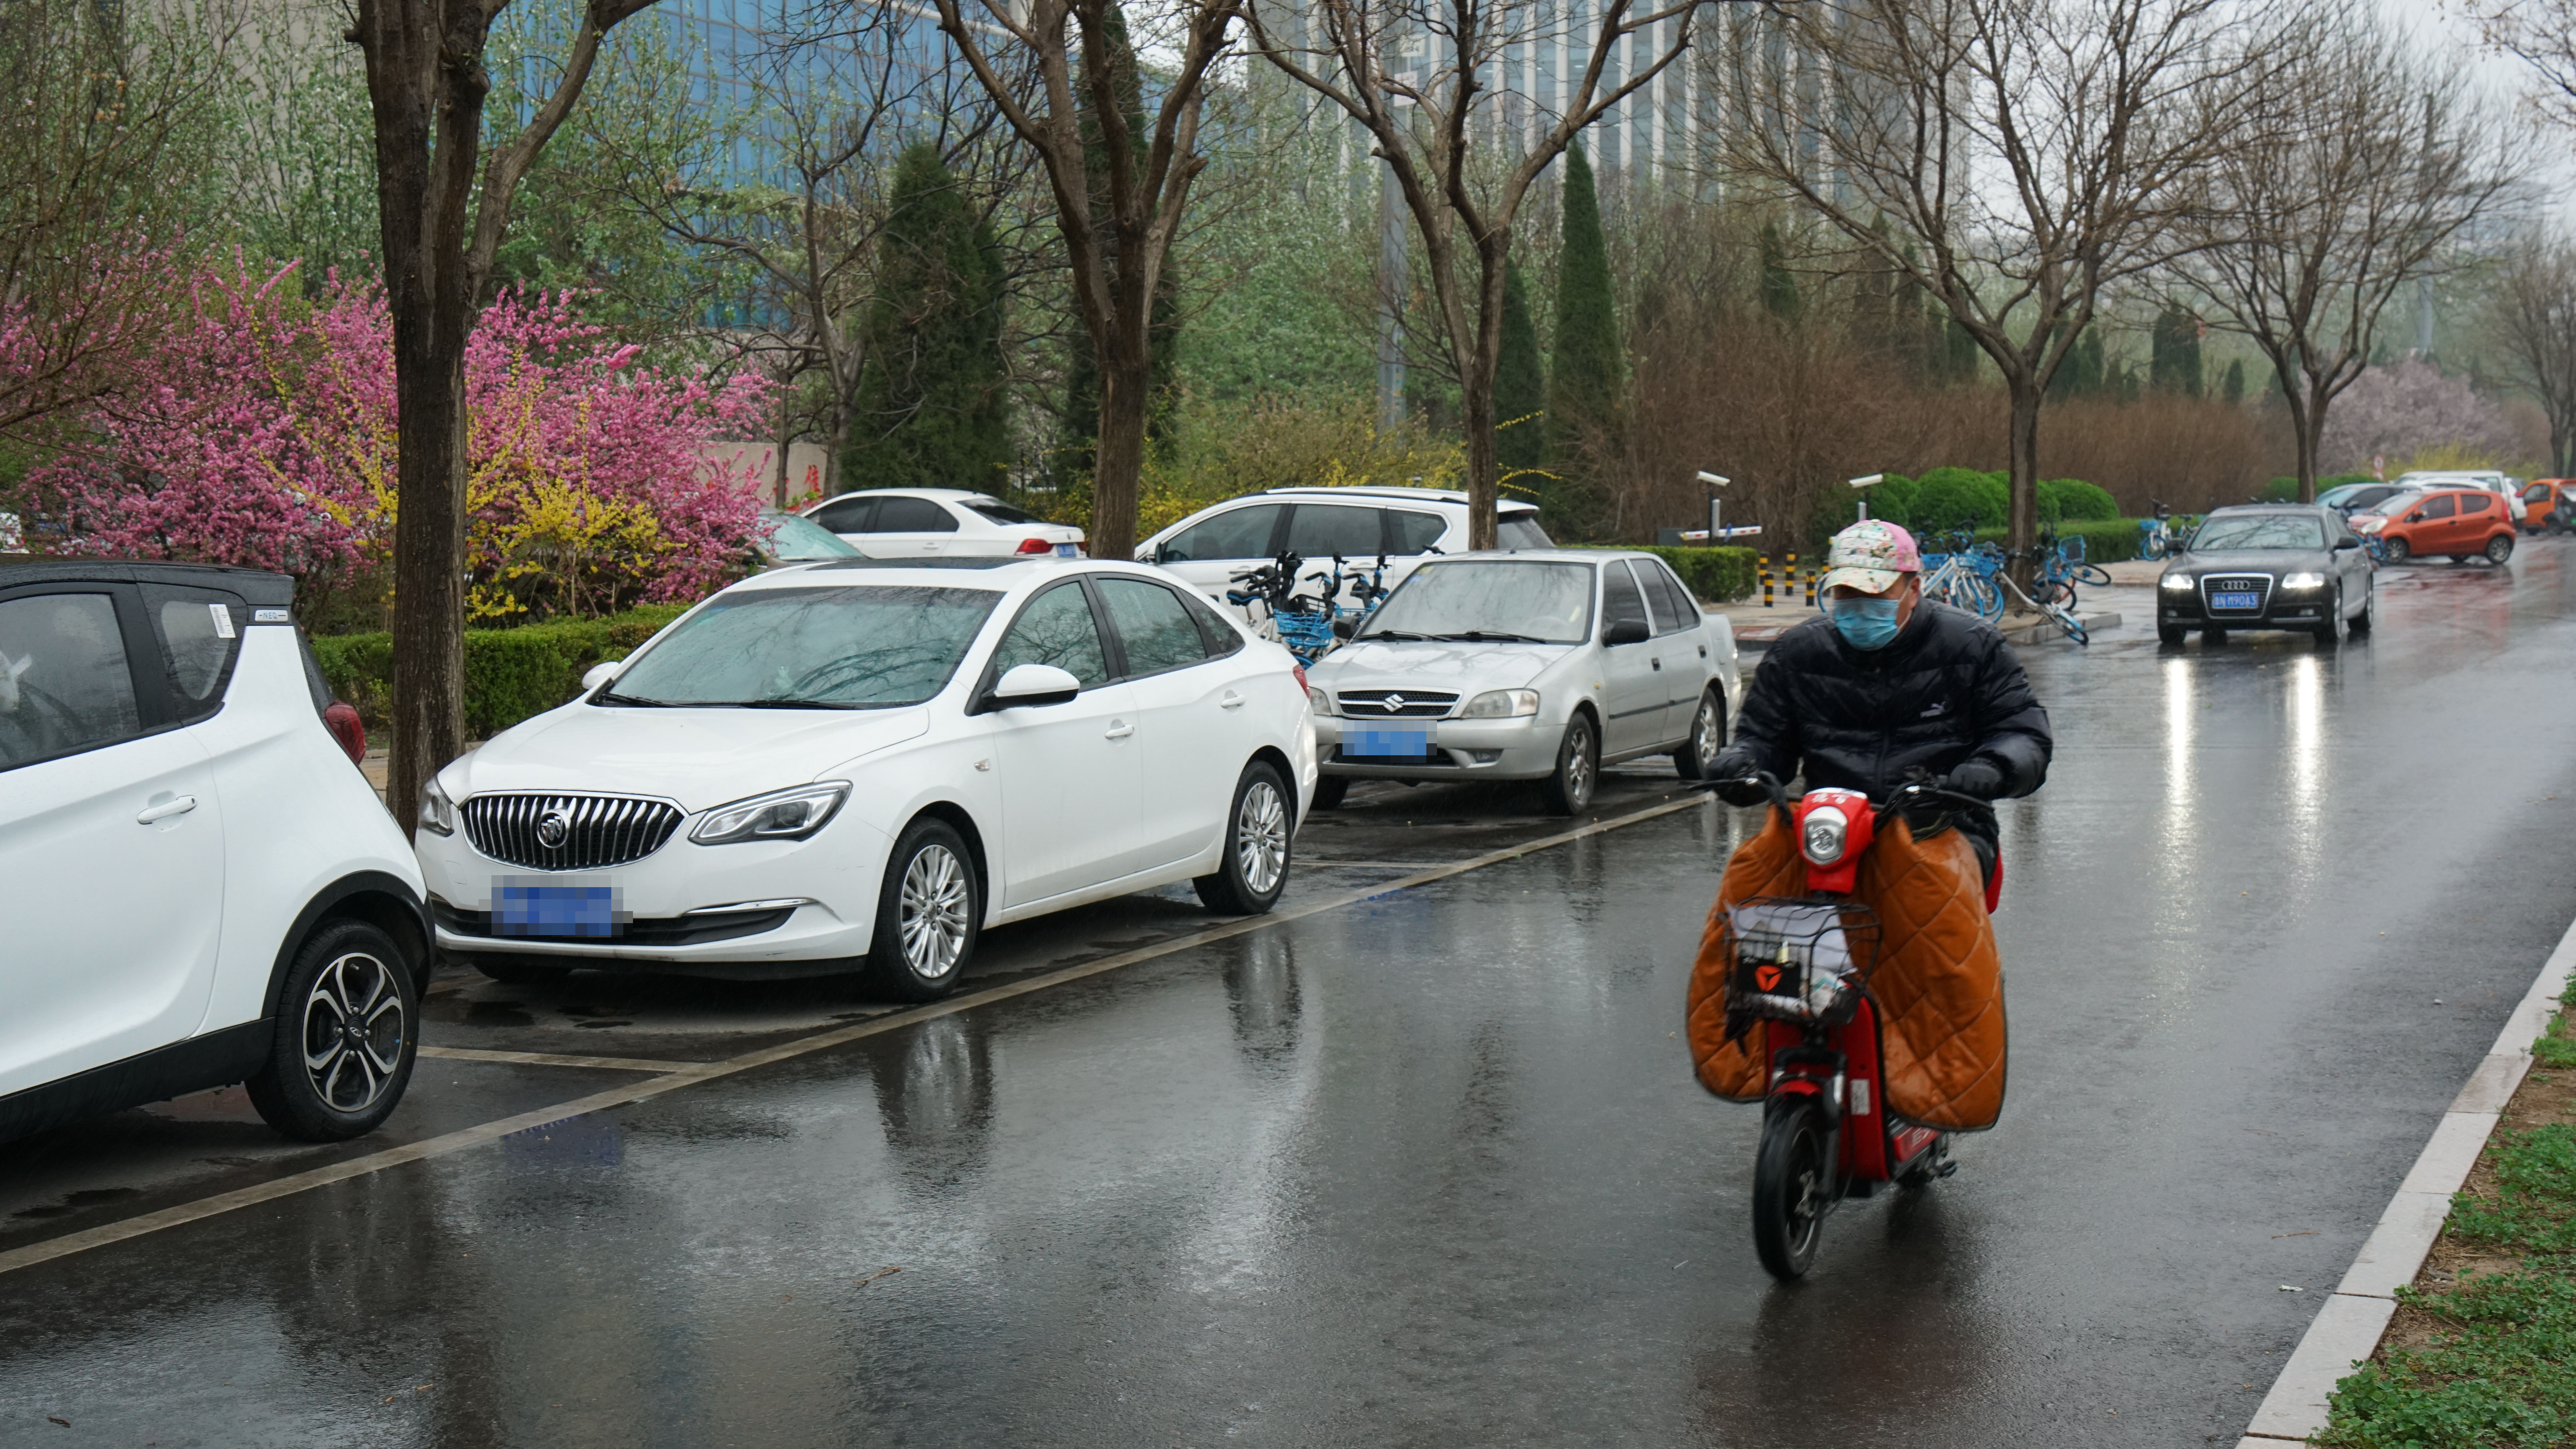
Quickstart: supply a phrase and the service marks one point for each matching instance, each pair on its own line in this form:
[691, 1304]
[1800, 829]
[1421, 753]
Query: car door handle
[1654, 664]
[163, 810]
[1120, 729]
[1231, 700]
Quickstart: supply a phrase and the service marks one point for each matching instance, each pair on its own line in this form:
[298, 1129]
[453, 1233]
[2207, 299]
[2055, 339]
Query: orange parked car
[2459, 523]
[2549, 506]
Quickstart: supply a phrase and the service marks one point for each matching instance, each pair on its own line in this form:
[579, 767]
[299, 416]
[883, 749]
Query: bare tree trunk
[2021, 518]
[1126, 398]
[2309, 423]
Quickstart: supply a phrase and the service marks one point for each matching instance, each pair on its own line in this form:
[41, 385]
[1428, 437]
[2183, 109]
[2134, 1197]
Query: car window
[1658, 608]
[1220, 637]
[1619, 597]
[1237, 533]
[867, 646]
[1000, 512]
[2536, 493]
[199, 632]
[65, 685]
[2473, 503]
[791, 539]
[912, 515]
[1452, 598]
[846, 515]
[1056, 628]
[2260, 530]
[1334, 530]
[1409, 532]
[2439, 506]
[1521, 530]
[1684, 612]
[1153, 624]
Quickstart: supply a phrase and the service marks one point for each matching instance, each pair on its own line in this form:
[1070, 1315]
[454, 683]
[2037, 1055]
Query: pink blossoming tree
[264, 436]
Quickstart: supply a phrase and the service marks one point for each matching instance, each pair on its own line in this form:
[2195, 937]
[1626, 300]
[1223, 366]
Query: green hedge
[1722, 574]
[2106, 540]
[510, 674]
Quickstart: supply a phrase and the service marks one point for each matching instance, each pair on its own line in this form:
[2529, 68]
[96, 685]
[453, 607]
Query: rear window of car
[1521, 530]
[1409, 532]
[199, 634]
[2473, 503]
[1236, 533]
[1000, 512]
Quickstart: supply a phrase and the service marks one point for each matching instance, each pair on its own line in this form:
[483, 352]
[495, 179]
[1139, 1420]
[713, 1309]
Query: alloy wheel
[1261, 837]
[932, 913]
[354, 1026]
[1705, 746]
[1578, 762]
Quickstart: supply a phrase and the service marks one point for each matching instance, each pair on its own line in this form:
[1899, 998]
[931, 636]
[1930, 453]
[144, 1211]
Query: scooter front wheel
[1792, 1187]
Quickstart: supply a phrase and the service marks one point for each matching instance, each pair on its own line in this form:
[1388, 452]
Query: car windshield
[2396, 503]
[1000, 512]
[1534, 602]
[865, 647]
[2262, 530]
[2334, 497]
[797, 539]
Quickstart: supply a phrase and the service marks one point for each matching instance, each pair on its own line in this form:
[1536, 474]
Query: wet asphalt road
[1421, 1168]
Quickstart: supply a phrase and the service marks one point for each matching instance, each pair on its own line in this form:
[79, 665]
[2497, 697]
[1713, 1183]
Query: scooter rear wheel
[1792, 1187]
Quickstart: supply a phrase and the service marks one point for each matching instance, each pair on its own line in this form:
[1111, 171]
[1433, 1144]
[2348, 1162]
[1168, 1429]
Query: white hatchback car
[862, 764]
[940, 523]
[200, 886]
[1528, 666]
[1358, 525]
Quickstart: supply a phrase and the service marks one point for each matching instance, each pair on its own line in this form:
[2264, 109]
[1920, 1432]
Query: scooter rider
[1886, 688]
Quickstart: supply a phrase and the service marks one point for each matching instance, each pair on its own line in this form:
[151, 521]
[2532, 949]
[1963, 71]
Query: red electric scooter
[1801, 977]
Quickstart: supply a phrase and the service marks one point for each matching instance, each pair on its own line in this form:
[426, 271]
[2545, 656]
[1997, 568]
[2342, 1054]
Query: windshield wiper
[1482, 636]
[779, 704]
[613, 697]
[1393, 634]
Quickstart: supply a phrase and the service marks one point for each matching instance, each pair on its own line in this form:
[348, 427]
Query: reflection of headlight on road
[2179, 583]
[2303, 581]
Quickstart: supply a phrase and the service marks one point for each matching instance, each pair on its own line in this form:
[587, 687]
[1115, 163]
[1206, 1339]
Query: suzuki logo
[1392, 703]
[552, 827]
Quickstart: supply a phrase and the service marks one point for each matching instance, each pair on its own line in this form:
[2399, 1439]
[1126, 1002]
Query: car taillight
[1300, 671]
[1035, 545]
[345, 726]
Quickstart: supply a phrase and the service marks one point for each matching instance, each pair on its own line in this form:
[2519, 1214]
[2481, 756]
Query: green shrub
[1893, 500]
[510, 674]
[2072, 499]
[2106, 540]
[1722, 574]
[2279, 490]
[1948, 498]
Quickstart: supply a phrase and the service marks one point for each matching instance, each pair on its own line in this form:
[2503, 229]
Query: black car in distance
[2267, 566]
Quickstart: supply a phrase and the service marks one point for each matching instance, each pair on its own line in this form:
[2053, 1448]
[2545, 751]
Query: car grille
[2259, 585]
[596, 830]
[695, 930]
[1409, 703]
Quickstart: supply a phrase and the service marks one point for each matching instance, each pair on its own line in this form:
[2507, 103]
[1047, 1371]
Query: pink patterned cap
[1871, 556]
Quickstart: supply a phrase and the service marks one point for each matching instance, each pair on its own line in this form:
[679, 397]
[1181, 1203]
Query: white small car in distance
[862, 764]
[940, 523]
[200, 886]
[1358, 525]
[1537, 666]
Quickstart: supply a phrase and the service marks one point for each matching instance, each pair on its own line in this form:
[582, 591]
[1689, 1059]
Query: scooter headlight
[1822, 838]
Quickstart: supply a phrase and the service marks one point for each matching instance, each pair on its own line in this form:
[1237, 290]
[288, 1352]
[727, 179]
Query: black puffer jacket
[1948, 688]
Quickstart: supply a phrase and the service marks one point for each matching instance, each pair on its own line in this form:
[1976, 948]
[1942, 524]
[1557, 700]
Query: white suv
[1358, 525]
[202, 887]
[940, 523]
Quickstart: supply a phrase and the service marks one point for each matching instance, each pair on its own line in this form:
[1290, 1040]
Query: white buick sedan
[859, 764]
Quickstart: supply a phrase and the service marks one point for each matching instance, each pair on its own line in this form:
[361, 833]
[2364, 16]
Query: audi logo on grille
[552, 829]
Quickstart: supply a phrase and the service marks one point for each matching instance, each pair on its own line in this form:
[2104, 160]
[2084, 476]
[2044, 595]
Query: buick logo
[552, 827]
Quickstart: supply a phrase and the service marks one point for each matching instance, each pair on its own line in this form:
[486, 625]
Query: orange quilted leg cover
[1766, 865]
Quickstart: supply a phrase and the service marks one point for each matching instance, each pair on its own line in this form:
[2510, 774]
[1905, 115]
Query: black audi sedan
[2267, 566]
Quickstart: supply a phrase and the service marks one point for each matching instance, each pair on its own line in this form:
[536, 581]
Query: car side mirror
[1031, 686]
[1626, 631]
[601, 673]
[2415, 518]
[2341, 544]
[1345, 627]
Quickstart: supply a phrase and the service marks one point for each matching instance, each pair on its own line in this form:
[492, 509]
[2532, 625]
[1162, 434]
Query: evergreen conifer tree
[1779, 286]
[2231, 386]
[933, 409]
[1520, 384]
[1586, 377]
[2174, 362]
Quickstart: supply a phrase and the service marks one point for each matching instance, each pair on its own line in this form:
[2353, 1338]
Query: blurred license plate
[1067, 550]
[1403, 743]
[538, 910]
[2233, 600]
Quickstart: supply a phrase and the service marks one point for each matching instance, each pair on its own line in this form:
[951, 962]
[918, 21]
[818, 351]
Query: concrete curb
[2040, 631]
[2347, 1329]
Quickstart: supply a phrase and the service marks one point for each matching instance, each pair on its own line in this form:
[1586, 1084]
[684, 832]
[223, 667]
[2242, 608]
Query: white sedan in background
[941, 523]
[862, 764]
[1539, 666]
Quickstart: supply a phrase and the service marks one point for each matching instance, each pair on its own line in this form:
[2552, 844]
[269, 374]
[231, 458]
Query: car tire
[2394, 550]
[1260, 829]
[2369, 601]
[1706, 740]
[1330, 790]
[930, 910]
[2171, 633]
[2213, 636]
[346, 1033]
[2330, 632]
[1578, 767]
[520, 973]
[2499, 548]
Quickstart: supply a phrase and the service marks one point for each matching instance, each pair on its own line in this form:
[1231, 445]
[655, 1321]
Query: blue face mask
[1865, 623]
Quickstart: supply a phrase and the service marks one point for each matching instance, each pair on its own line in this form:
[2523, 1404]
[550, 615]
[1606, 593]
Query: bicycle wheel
[2065, 619]
[1985, 597]
[2094, 575]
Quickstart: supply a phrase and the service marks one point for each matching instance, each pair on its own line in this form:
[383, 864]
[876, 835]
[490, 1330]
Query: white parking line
[556, 1059]
[181, 1214]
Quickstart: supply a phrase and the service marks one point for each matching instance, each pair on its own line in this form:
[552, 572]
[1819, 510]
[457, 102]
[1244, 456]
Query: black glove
[1734, 773]
[1980, 777]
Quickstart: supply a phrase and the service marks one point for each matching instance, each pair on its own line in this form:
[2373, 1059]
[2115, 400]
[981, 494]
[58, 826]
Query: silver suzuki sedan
[1542, 665]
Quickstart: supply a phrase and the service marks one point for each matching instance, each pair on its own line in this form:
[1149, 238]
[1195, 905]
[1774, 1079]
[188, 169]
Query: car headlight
[2303, 581]
[1822, 838]
[2178, 583]
[2369, 523]
[1320, 702]
[437, 812]
[779, 815]
[1501, 704]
